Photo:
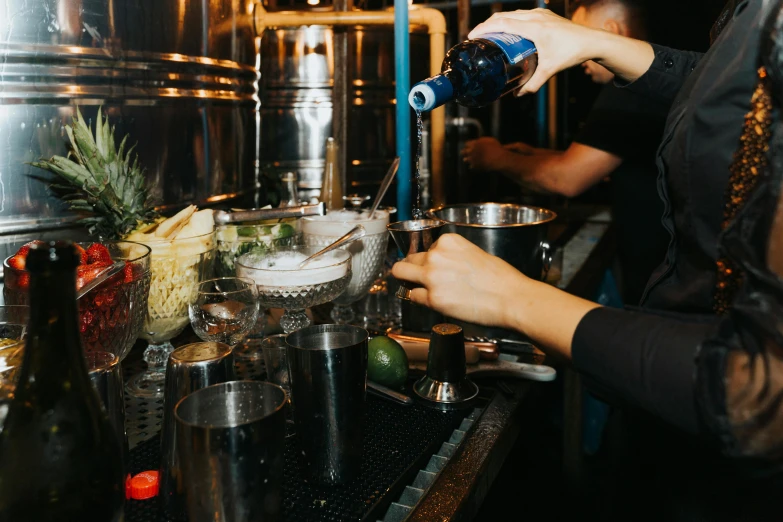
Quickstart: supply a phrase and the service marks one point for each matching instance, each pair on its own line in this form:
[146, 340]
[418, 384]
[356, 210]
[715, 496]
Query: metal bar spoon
[387, 179]
[102, 276]
[355, 233]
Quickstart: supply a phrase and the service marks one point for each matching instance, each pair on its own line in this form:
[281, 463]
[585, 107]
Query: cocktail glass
[367, 254]
[282, 285]
[225, 310]
[177, 267]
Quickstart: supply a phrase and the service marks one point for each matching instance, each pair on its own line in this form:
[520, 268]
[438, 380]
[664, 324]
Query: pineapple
[104, 183]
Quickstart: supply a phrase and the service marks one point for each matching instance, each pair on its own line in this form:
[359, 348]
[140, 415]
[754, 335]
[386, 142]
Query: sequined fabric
[750, 161]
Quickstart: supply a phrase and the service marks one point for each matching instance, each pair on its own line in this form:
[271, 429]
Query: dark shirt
[630, 126]
[677, 366]
[702, 133]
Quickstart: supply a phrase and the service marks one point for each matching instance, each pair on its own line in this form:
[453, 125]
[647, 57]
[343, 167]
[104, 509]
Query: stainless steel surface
[388, 393]
[446, 384]
[231, 443]
[414, 236]
[102, 276]
[106, 377]
[189, 368]
[297, 106]
[259, 214]
[178, 79]
[501, 368]
[352, 235]
[515, 233]
[328, 367]
[387, 179]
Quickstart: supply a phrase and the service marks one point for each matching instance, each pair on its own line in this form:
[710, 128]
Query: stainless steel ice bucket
[515, 233]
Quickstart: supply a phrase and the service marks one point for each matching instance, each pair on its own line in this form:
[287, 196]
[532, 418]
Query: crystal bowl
[110, 315]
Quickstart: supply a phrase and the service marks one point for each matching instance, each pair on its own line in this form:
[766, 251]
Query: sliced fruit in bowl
[112, 314]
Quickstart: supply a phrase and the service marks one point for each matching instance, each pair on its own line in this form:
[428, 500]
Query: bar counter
[453, 483]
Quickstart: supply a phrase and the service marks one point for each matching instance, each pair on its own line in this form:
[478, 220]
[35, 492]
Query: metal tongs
[261, 214]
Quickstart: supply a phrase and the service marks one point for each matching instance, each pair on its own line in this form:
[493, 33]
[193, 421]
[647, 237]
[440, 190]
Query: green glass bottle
[60, 459]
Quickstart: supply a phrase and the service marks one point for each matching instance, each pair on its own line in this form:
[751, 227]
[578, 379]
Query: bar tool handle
[388, 393]
[260, 214]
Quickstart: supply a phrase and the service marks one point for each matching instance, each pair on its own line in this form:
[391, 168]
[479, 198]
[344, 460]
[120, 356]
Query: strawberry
[84, 258]
[86, 273]
[127, 273]
[17, 262]
[26, 248]
[97, 253]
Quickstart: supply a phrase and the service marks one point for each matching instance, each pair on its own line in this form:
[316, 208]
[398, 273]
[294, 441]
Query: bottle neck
[53, 341]
[431, 93]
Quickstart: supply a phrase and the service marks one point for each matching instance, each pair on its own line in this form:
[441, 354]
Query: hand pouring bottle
[477, 72]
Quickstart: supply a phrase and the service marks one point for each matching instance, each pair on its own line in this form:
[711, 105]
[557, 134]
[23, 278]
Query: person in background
[704, 362]
[619, 138]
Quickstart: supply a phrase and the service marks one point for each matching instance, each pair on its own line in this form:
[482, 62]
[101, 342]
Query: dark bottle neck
[53, 346]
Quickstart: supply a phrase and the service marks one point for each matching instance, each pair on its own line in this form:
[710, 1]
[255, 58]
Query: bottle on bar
[332, 187]
[289, 190]
[477, 72]
[61, 459]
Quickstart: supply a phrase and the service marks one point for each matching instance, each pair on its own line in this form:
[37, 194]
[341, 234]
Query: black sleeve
[647, 360]
[625, 124]
[666, 74]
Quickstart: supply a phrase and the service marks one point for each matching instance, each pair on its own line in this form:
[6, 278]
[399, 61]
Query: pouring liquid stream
[416, 213]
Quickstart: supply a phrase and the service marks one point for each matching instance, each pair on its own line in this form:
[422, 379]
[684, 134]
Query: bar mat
[398, 441]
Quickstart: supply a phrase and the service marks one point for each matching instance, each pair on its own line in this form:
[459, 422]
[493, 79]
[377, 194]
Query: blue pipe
[402, 75]
[541, 103]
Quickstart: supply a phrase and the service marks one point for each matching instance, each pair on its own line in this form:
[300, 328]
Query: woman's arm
[464, 282]
[652, 70]
[563, 44]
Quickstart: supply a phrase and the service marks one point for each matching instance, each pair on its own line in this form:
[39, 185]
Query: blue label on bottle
[514, 47]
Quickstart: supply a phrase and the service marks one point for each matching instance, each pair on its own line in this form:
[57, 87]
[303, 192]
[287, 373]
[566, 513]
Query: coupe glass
[225, 310]
[367, 254]
[13, 329]
[282, 285]
[178, 266]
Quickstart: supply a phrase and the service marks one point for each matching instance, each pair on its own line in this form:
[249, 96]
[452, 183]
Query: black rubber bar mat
[398, 441]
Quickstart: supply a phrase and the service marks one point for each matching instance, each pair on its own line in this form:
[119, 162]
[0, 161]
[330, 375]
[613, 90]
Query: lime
[387, 362]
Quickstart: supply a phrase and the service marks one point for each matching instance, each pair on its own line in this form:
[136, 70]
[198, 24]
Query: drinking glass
[13, 329]
[225, 310]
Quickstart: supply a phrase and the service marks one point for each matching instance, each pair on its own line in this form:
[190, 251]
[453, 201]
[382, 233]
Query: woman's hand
[462, 281]
[562, 44]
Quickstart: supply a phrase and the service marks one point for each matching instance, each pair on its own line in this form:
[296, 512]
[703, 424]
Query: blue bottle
[477, 72]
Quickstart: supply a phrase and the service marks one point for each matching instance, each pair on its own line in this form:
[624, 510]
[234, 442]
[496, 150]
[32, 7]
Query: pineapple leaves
[99, 180]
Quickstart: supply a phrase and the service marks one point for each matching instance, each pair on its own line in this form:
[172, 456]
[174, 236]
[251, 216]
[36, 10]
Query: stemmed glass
[225, 310]
[281, 284]
[177, 267]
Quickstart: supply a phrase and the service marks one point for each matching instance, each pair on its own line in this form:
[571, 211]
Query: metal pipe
[541, 101]
[436, 27]
[552, 113]
[341, 98]
[402, 83]
[495, 116]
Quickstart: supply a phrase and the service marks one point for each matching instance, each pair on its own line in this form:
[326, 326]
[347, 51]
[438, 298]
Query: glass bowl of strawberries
[111, 315]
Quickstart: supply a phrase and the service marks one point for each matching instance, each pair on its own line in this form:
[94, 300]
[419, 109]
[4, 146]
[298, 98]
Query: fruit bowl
[257, 238]
[110, 315]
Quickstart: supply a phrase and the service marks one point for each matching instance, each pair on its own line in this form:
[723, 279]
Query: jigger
[413, 236]
[446, 385]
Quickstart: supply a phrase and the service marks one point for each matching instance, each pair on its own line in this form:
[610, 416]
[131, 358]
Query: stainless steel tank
[297, 66]
[178, 77]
